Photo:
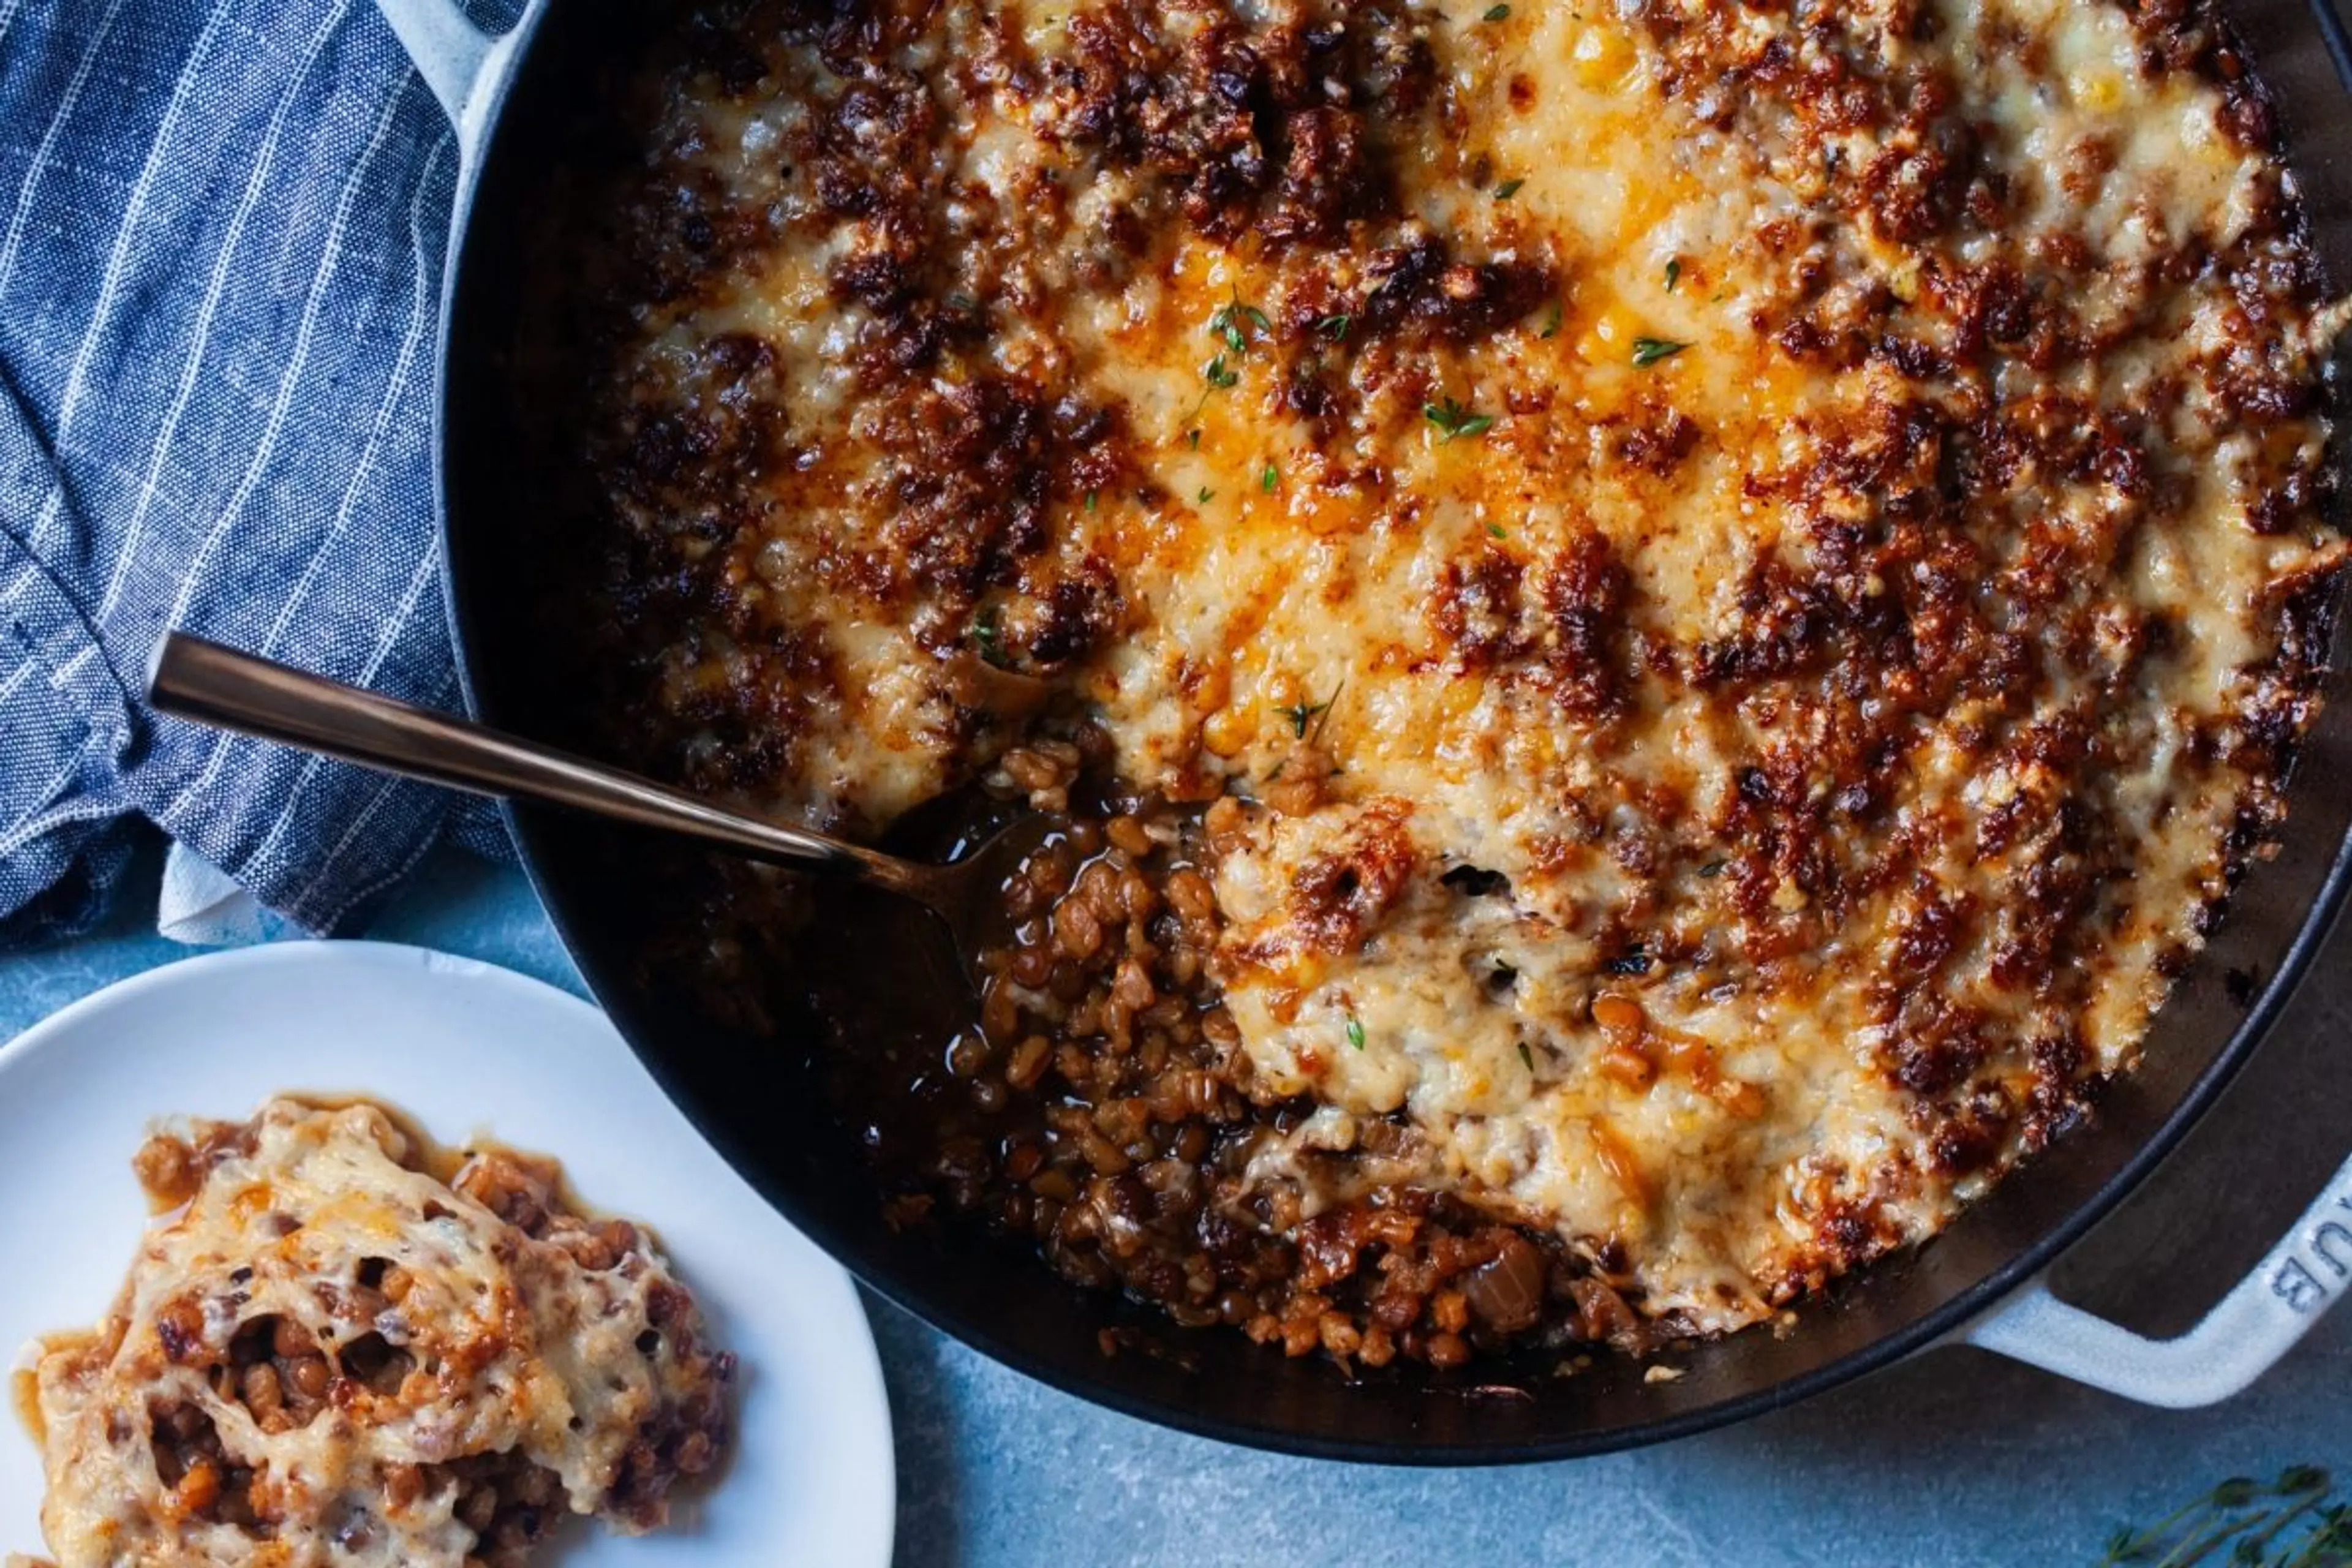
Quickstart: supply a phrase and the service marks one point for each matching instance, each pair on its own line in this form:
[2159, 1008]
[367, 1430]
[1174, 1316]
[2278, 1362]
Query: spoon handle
[193, 679]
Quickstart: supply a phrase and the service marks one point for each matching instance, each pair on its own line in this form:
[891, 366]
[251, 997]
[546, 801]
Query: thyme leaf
[1455, 420]
[1648, 352]
[1298, 713]
[1220, 377]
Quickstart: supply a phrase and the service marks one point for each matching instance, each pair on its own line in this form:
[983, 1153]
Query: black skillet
[759, 1097]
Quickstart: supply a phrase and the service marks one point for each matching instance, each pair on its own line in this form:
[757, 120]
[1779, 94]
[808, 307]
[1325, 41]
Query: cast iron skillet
[759, 1097]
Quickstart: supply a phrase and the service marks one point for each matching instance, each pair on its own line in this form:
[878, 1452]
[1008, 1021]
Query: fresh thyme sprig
[988, 634]
[1457, 421]
[2243, 1522]
[1298, 713]
[1229, 324]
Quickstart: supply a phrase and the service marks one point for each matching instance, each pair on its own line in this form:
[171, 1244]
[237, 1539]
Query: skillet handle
[2242, 1338]
[457, 61]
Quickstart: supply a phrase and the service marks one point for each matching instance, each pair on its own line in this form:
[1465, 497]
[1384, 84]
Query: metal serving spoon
[193, 679]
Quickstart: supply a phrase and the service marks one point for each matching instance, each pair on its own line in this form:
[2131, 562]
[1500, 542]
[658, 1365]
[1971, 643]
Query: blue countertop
[1952, 1457]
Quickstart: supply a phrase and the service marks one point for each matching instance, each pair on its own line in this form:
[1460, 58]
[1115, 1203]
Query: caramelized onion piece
[1507, 1292]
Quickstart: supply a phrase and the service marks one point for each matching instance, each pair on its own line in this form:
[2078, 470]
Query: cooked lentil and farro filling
[332, 1358]
[1657, 624]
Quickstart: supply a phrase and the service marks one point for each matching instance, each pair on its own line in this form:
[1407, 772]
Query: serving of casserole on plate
[1657, 626]
[334, 1351]
[343, 1344]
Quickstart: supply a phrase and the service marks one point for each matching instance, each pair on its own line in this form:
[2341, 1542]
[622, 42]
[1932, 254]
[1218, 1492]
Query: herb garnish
[1508, 189]
[1335, 326]
[1673, 273]
[1298, 713]
[1268, 479]
[1526, 1057]
[1355, 1032]
[1648, 352]
[1713, 867]
[987, 635]
[2252, 1516]
[1498, 12]
[1455, 420]
[1091, 497]
[1496, 529]
[1220, 376]
[1227, 324]
[1551, 322]
[1207, 495]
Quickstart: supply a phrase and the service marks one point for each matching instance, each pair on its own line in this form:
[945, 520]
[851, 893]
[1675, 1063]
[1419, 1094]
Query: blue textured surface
[1954, 1457]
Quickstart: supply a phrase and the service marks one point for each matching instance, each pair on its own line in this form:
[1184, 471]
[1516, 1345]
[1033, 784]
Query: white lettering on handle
[2297, 1282]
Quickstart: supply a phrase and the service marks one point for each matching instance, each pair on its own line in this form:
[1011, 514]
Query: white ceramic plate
[466, 1050]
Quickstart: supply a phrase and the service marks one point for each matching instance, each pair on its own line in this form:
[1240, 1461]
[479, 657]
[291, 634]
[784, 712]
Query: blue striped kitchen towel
[221, 237]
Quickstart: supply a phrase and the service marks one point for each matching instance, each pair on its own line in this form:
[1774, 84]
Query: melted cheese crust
[514, 1348]
[1756, 571]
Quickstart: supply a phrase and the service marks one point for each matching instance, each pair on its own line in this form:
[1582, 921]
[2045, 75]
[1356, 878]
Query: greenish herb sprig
[1227, 324]
[1299, 714]
[2292, 1521]
[1457, 421]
